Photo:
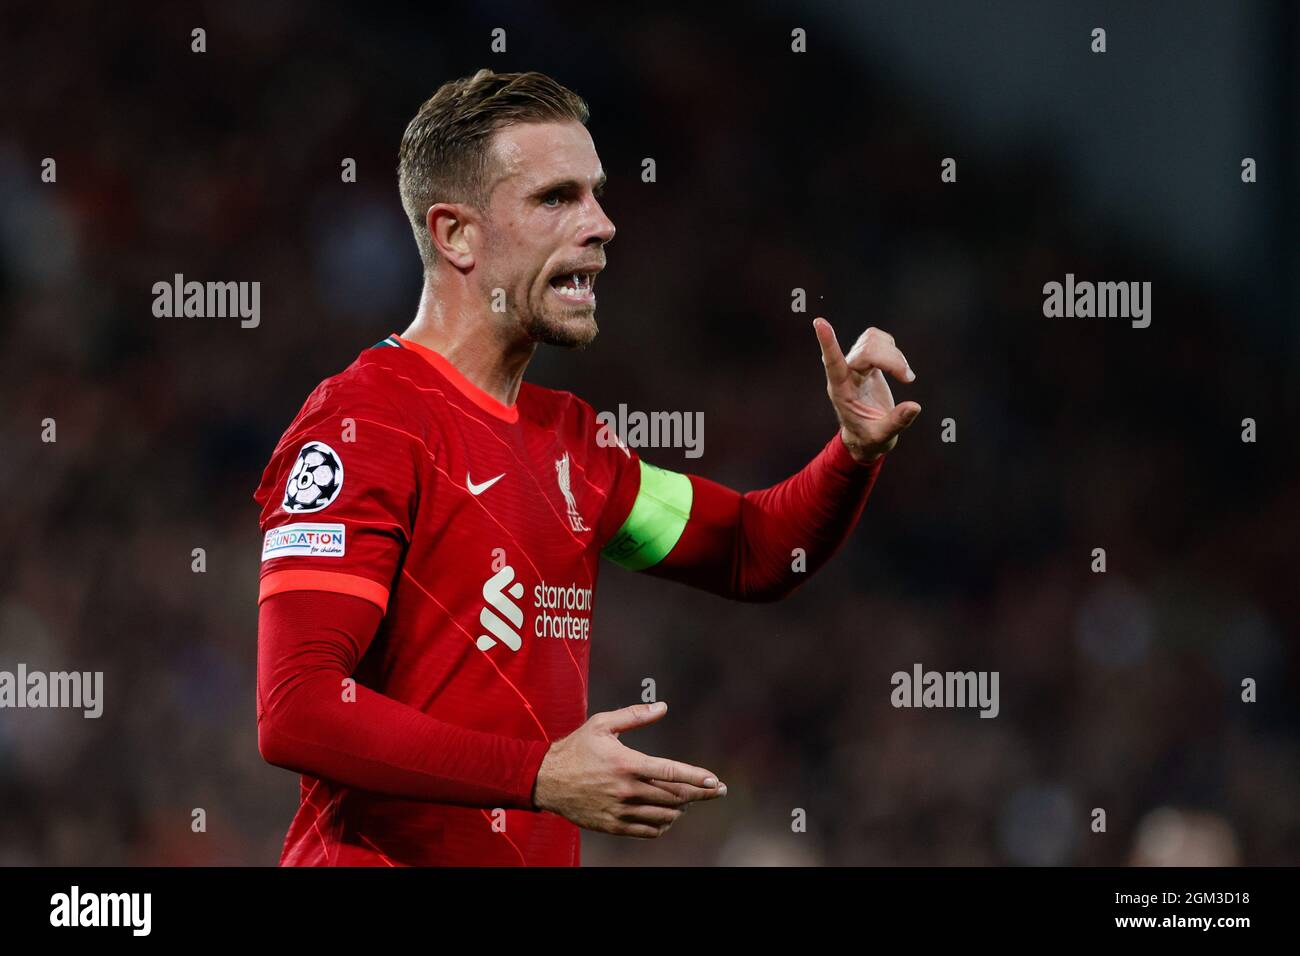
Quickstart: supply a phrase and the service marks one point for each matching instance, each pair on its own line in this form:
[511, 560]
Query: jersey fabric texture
[429, 567]
[476, 528]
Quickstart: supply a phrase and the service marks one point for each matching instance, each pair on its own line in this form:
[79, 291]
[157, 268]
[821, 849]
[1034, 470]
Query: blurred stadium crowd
[1119, 690]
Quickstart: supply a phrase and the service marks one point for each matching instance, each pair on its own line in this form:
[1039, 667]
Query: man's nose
[600, 228]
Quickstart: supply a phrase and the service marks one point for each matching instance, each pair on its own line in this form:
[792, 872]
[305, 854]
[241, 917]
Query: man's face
[543, 224]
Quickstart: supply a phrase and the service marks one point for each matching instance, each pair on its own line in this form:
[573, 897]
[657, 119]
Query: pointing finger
[684, 793]
[659, 768]
[837, 369]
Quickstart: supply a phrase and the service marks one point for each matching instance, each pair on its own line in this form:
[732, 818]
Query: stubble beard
[548, 321]
[571, 327]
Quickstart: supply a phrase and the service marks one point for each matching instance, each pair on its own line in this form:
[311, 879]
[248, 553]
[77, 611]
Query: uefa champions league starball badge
[316, 479]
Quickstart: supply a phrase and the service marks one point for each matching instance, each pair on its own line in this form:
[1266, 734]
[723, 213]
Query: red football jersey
[477, 528]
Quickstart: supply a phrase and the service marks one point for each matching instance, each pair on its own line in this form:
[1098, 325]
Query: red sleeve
[340, 492]
[743, 545]
[310, 722]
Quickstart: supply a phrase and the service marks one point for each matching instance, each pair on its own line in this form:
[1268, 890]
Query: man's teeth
[578, 284]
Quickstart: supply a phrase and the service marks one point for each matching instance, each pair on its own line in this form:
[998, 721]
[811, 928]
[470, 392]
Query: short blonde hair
[444, 155]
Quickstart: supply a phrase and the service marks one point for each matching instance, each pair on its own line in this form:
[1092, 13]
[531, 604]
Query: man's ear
[450, 225]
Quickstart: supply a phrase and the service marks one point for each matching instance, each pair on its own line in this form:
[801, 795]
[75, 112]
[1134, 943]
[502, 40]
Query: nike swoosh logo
[480, 488]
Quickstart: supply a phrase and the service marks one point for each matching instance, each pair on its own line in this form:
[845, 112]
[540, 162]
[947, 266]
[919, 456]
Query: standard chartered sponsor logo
[562, 611]
[497, 596]
[554, 617]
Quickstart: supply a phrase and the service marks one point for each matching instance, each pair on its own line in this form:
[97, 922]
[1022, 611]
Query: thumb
[638, 715]
[903, 415]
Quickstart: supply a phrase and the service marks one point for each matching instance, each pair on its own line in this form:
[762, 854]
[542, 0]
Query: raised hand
[870, 422]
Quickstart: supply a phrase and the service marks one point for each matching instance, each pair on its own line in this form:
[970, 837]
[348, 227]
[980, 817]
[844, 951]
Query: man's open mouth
[577, 287]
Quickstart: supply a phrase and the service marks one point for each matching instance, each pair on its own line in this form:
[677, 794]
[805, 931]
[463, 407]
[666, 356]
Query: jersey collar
[489, 403]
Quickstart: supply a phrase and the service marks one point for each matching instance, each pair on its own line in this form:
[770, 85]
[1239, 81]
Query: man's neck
[475, 344]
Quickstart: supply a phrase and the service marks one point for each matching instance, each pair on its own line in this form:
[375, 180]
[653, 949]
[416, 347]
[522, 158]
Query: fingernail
[658, 706]
[710, 782]
[911, 376]
[723, 791]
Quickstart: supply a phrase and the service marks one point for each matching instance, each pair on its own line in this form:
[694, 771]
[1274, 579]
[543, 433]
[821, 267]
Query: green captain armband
[656, 521]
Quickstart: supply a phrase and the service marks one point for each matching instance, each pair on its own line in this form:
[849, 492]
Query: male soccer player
[433, 525]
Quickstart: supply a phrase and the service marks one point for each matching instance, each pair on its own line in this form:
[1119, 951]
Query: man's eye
[547, 200]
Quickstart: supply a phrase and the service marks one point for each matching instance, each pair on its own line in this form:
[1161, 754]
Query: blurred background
[776, 170]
